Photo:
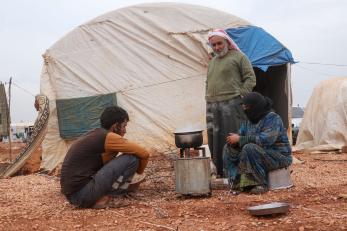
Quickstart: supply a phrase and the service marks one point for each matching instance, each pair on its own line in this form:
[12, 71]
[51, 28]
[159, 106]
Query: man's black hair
[111, 115]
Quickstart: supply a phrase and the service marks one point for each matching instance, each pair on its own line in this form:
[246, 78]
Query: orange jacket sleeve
[117, 143]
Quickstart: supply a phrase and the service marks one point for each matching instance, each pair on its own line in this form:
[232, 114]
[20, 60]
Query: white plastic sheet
[324, 126]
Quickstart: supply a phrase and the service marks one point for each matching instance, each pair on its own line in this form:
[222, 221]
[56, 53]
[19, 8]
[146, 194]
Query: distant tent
[152, 60]
[324, 126]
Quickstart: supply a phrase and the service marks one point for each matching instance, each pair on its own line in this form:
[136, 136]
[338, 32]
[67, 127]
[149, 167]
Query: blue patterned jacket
[268, 133]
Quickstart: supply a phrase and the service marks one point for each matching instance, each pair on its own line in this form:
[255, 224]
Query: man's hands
[233, 139]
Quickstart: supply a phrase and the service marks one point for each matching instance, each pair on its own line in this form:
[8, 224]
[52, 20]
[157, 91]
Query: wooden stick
[330, 159]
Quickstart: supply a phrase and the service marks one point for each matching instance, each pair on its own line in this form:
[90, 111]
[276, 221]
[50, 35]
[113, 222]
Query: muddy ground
[318, 201]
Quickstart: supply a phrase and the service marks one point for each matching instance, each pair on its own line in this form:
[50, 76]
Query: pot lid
[188, 132]
[189, 129]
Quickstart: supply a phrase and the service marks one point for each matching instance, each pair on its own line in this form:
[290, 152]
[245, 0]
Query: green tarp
[79, 115]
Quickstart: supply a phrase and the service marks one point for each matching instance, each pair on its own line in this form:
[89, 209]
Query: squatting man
[92, 172]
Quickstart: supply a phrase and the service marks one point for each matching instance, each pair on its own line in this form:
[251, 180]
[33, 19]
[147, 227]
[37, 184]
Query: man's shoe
[138, 178]
[259, 189]
[136, 181]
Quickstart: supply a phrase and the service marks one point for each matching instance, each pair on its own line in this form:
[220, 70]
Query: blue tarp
[262, 49]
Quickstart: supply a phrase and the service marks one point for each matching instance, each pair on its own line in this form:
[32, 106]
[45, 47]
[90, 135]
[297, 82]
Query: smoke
[189, 128]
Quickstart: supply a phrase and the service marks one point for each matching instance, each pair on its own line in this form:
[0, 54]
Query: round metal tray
[268, 209]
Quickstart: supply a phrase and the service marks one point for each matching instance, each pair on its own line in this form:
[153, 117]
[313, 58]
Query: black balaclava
[259, 106]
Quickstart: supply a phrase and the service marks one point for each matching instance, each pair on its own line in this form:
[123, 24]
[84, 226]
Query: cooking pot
[191, 139]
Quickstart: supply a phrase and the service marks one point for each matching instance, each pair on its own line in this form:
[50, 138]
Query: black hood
[259, 106]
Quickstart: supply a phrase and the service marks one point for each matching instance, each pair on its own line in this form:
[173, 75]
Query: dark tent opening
[273, 84]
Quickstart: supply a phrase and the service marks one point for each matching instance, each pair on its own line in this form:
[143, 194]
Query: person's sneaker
[259, 189]
[138, 178]
[136, 181]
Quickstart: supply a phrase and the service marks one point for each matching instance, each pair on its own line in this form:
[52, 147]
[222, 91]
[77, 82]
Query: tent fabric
[78, 115]
[262, 49]
[153, 56]
[324, 125]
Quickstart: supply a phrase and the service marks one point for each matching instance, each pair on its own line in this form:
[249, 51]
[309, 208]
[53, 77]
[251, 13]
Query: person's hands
[233, 138]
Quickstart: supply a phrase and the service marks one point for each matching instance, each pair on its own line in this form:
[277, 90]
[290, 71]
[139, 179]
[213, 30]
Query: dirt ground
[318, 201]
[32, 165]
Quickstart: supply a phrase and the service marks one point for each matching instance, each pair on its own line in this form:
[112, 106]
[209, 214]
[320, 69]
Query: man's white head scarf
[223, 34]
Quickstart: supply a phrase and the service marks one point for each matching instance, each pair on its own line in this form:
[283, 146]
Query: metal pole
[9, 118]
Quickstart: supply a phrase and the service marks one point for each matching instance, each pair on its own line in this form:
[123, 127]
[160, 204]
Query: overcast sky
[313, 30]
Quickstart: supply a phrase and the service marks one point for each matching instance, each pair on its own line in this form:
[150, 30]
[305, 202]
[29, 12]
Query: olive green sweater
[229, 77]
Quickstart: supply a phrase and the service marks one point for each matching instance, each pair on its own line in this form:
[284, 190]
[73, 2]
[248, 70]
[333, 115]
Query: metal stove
[192, 172]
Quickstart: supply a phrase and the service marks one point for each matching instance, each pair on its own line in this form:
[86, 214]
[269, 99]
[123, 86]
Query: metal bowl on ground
[190, 139]
[269, 209]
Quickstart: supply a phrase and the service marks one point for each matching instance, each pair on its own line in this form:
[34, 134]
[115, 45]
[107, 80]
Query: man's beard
[224, 51]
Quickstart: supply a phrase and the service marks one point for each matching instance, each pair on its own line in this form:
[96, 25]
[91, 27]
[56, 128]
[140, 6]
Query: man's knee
[131, 160]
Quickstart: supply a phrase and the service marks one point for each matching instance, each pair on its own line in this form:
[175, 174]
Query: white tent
[153, 57]
[324, 126]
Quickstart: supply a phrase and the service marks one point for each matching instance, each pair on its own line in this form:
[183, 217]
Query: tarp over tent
[262, 49]
[150, 59]
[324, 126]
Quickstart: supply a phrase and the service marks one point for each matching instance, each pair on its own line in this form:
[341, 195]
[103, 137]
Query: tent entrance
[274, 84]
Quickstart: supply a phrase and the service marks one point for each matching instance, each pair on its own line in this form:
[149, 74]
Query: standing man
[230, 76]
[86, 180]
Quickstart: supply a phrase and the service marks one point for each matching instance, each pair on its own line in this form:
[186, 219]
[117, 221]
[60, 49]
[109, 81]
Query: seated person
[261, 146]
[85, 180]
